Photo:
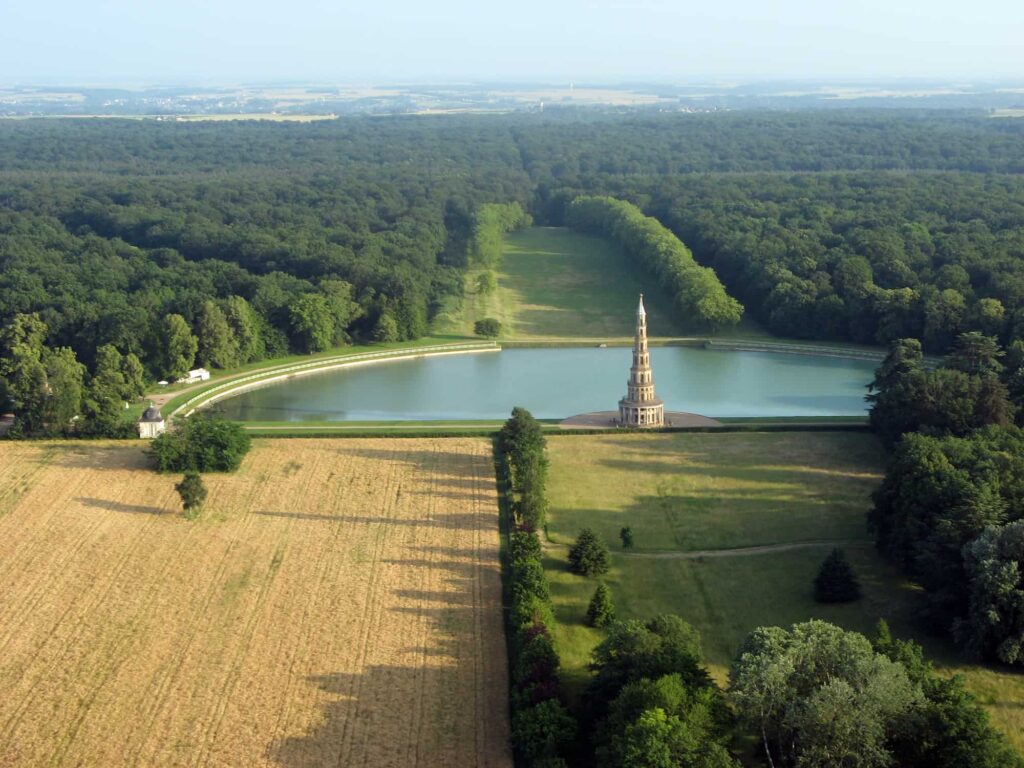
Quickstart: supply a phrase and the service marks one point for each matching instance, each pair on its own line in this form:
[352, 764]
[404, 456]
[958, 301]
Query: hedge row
[542, 728]
[700, 297]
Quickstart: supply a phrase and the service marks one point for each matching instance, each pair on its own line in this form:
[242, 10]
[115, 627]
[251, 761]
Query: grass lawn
[709, 491]
[554, 283]
[695, 502]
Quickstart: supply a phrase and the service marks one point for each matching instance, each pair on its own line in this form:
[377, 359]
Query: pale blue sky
[226, 41]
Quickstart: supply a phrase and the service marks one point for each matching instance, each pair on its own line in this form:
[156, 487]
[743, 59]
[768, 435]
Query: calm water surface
[555, 383]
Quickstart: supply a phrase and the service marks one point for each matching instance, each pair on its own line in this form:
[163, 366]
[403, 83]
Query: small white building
[151, 424]
[192, 377]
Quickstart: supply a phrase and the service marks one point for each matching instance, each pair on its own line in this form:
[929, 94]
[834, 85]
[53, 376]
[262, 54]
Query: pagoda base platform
[609, 420]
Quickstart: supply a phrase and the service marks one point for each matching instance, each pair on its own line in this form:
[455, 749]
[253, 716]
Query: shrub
[528, 579]
[488, 327]
[836, 582]
[601, 611]
[524, 546]
[589, 555]
[486, 282]
[203, 442]
[537, 659]
[626, 534]
[192, 492]
[542, 731]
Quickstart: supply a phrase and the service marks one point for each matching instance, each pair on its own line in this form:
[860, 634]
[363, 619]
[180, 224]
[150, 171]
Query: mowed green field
[730, 530]
[554, 283]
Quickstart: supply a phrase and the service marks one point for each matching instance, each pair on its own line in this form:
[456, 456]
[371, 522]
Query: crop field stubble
[337, 603]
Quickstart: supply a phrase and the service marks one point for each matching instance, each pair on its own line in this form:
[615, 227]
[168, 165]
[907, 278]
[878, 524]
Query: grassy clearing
[554, 283]
[791, 496]
[337, 602]
[708, 491]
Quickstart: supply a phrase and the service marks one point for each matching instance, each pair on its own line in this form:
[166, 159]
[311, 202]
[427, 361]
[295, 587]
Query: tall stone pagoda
[640, 407]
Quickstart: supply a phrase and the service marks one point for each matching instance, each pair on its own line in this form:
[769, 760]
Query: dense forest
[260, 239]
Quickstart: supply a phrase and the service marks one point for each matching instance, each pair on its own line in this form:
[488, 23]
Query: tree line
[950, 510]
[810, 695]
[491, 222]
[263, 242]
[51, 392]
[862, 257]
[267, 239]
[700, 298]
[542, 728]
[107, 227]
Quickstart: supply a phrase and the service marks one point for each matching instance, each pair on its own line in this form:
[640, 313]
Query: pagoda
[640, 408]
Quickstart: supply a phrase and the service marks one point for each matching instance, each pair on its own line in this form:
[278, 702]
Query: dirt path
[761, 549]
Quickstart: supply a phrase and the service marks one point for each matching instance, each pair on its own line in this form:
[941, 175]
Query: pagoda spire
[640, 407]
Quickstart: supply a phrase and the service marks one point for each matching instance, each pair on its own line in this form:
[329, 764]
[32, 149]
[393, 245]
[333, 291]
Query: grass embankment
[174, 397]
[730, 530]
[336, 603]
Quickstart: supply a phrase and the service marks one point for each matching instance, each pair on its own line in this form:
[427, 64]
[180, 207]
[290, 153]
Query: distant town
[313, 101]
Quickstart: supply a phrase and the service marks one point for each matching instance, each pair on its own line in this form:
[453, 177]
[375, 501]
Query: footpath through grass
[729, 530]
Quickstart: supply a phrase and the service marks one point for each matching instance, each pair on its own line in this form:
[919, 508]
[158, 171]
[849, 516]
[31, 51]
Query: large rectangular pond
[561, 382]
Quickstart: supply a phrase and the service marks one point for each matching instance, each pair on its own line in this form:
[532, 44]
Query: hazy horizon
[234, 42]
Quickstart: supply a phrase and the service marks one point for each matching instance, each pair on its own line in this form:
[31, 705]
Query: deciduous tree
[179, 347]
[192, 492]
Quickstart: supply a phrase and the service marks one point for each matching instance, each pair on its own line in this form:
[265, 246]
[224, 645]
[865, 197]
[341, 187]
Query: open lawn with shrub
[729, 532]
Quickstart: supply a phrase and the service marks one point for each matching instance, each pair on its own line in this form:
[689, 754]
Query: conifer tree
[836, 582]
[601, 611]
[589, 555]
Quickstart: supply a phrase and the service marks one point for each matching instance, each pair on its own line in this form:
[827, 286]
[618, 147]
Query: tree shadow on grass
[706, 519]
[751, 472]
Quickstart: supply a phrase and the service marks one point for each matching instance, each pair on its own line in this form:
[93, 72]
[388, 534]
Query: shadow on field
[117, 506]
[364, 723]
[450, 463]
[757, 472]
[467, 521]
[425, 712]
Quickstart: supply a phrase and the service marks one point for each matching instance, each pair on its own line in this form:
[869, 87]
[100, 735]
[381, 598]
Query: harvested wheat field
[337, 603]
